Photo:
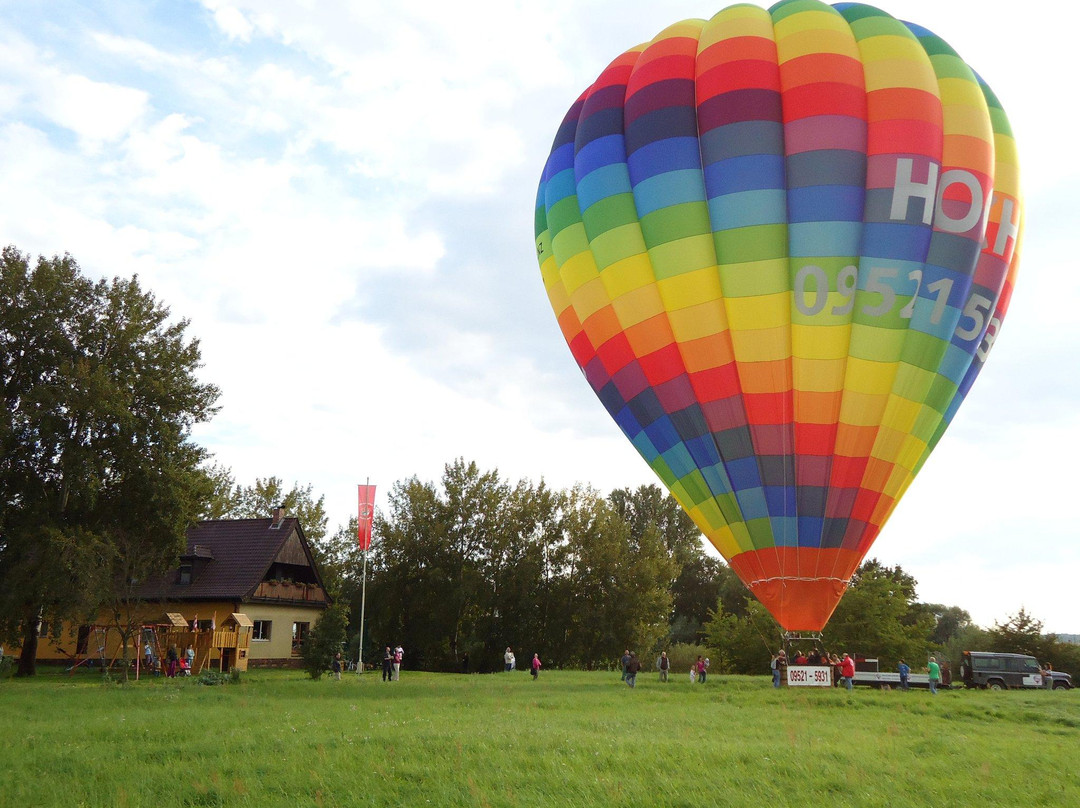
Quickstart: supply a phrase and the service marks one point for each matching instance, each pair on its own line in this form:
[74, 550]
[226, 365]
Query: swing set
[225, 648]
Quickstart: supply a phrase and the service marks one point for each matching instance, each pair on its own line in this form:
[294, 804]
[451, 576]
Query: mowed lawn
[568, 739]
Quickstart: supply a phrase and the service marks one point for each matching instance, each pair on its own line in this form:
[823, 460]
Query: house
[253, 577]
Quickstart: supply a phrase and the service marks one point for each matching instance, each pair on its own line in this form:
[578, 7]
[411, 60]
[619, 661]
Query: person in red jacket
[847, 670]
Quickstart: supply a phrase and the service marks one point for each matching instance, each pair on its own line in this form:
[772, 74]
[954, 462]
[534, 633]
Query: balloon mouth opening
[800, 603]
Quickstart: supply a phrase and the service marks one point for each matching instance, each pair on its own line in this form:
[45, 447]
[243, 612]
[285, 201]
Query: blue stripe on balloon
[662, 434]
[679, 460]
[752, 502]
[561, 186]
[812, 239]
[747, 208]
[825, 203]
[894, 240]
[603, 183]
[810, 529]
[599, 153]
[667, 189]
[749, 173]
[716, 479]
[670, 154]
[954, 364]
[744, 473]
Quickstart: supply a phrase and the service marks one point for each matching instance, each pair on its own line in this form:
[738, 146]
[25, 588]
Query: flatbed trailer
[890, 680]
[868, 675]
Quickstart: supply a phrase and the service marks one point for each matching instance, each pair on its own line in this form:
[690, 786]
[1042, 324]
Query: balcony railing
[285, 590]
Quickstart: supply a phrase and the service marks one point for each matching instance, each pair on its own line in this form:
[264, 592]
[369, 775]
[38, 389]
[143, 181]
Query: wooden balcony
[287, 591]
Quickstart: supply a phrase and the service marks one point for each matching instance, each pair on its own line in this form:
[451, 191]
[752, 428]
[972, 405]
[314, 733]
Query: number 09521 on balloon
[780, 245]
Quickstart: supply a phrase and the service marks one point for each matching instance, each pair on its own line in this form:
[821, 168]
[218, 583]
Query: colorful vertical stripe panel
[779, 244]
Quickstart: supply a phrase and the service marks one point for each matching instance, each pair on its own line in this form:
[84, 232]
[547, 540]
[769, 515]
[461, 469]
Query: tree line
[476, 564]
[100, 478]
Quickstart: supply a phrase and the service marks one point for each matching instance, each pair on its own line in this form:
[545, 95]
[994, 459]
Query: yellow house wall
[281, 617]
[279, 647]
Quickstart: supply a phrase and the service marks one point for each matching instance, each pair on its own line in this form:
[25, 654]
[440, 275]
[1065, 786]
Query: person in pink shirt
[535, 666]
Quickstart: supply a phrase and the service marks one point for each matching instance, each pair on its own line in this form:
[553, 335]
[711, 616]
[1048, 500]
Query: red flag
[366, 512]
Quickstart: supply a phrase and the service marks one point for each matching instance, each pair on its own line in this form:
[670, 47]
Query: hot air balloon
[779, 245]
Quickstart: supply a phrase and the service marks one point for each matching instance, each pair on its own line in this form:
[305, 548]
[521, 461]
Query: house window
[299, 632]
[261, 631]
[185, 574]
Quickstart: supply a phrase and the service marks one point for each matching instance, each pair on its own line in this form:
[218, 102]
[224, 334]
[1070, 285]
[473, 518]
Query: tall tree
[649, 507]
[100, 392]
[742, 643]
[878, 616]
[617, 584]
[697, 578]
[1022, 633]
[258, 500]
[949, 621]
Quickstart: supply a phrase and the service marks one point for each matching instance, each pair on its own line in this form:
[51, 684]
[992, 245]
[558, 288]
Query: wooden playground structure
[223, 648]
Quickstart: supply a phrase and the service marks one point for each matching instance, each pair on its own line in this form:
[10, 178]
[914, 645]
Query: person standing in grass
[834, 660]
[632, 668]
[625, 662]
[904, 670]
[399, 654]
[847, 670]
[663, 664]
[934, 670]
[335, 666]
[387, 664]
[508, 659]
[171, 658]
[699, 668]
[776, 664]
[535, 666]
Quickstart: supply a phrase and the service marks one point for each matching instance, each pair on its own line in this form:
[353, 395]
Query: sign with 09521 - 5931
[809, 676]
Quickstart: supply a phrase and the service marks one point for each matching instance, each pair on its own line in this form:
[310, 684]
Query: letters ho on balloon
[970, 215]
[780, 245]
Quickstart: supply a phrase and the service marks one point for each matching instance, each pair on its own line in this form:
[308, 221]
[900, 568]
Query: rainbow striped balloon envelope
[780, 245]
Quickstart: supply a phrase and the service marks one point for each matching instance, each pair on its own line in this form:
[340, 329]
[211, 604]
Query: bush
[323, 641]
[682, 656]
[212, 677]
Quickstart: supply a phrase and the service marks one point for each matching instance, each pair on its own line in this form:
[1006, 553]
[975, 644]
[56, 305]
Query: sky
[339, 197]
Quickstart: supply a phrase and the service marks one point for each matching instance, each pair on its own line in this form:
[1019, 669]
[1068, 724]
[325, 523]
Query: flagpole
[363, 599]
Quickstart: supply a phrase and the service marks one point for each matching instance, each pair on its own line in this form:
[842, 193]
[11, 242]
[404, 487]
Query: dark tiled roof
[229, 557]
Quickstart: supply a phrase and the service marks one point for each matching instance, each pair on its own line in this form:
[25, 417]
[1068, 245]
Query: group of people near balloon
[843, 669]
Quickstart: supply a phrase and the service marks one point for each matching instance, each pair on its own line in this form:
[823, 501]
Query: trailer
[868, 675]
[890, 680]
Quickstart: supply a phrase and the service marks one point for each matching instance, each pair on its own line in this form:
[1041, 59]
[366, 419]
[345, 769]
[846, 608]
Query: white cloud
[340, 199]
[232, 21]
[95, 111]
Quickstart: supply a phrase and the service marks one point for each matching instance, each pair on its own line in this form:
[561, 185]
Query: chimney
[279, 517]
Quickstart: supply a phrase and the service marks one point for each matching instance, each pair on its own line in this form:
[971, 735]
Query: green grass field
[568, 739]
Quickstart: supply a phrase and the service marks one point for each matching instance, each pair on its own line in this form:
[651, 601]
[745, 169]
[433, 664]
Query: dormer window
[185, 574]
